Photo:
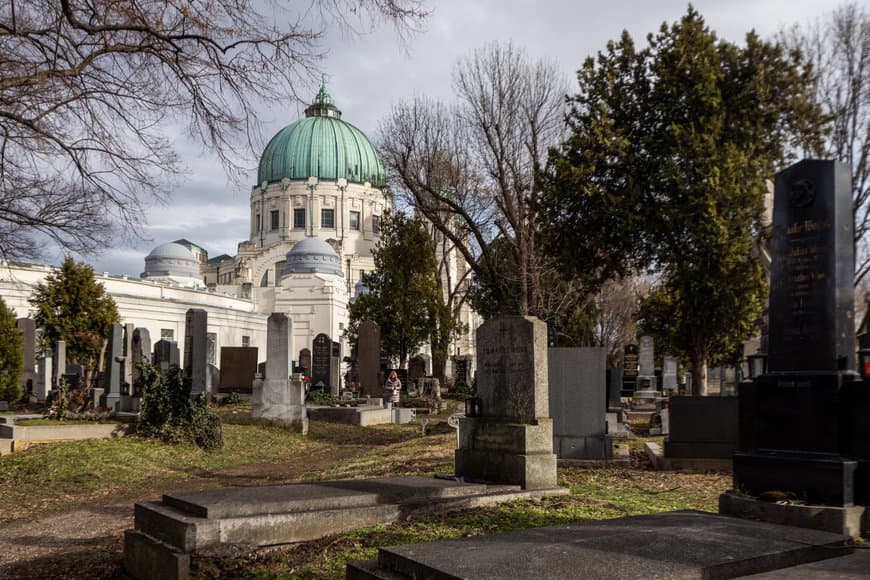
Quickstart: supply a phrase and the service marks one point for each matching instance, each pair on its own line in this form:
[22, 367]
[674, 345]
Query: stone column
[112, 386]
[278, 398]
[511, 442]
[60, 362]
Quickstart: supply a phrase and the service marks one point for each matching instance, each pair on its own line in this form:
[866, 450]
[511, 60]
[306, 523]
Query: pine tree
[72, 306]
[11, 357]
[665, 169]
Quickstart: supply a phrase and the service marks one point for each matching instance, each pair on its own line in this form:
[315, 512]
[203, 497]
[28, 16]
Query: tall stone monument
[141, 354]
[794, 428]
[59, 362]
[368, 354]
[27, 326]
[114, 357]
[511, 440]
[669, 374]
[629, 370]
[321, 352]
[196, 350]
[278, 397]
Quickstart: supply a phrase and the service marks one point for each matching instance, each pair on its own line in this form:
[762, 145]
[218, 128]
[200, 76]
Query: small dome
[360, 289]
[321, 145]
[171, 260]
[312, 255]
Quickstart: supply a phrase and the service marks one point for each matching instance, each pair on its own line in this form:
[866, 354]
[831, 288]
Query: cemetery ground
[64, 506]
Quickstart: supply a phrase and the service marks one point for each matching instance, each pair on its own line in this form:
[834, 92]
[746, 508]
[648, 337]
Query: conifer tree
[11, 357]
[665, 170]
[72, 306]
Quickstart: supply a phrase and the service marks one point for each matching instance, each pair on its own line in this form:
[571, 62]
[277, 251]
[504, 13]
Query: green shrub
[232, 399]
[167, 413]
[11, 359]
[320, 398]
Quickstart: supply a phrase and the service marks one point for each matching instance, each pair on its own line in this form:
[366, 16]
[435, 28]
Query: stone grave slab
[577, 391]
[683, 544]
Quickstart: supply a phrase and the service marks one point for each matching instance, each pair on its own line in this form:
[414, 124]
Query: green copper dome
[323, 146]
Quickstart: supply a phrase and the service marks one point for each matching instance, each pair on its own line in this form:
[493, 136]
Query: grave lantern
[864, 362]
[473, 406]
[757, 365]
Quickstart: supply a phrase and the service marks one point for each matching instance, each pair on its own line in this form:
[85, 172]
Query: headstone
[629, 370]
[277, 397]
[43, 379]
[368, 350]
[128, 357]
[166, 354]
[321, 352]
[799, 420]
[460, 372]
[212, 379]
[577, 379]
[141, 354]
[114, 356]
[305, 361]
[334, 367]
[669, 374]
[27, 326]
[196, 350]
[59, 362]
[646, 373]
[238, 369]
[614, 388]
[511, 441]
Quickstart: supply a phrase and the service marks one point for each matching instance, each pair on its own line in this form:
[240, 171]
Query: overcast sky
[365, 75]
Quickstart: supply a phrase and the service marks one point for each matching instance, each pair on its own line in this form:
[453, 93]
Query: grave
[703, 433]
[684, 544]
[169, 532]
[334, 369]
[615, 418]
[577, 396]
[368, 352]
[166, 354]
[646, 391]
[141, 354]
[27, 326]
[510, 437]
[196, 350]
[111, 398]
[321, 362]
[417, 369]
[59, 363]
[799, 420]
[43, 377]
[305, 361]
[669, 375]
[629, 370]
[277, 397]
[238, 369]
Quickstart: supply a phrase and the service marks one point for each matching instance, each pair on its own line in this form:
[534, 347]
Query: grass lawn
[58, 477]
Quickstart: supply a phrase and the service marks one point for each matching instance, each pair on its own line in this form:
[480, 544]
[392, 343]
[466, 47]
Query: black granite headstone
[630, 359]
[321, 352]
[794, 432]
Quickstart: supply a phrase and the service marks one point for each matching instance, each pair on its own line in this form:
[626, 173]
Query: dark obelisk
[792, 421]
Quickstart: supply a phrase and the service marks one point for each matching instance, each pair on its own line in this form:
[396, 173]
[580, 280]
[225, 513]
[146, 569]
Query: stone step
[369, 570]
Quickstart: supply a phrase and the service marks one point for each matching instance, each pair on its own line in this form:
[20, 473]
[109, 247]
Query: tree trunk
[699, 375]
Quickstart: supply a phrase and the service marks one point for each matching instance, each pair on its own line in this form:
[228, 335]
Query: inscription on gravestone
[629, 369]
[811, 292]
[321, 352]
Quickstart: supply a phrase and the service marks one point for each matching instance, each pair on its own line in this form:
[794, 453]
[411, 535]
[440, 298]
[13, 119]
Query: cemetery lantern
[757, 365]
[473, 406]
[864, 362]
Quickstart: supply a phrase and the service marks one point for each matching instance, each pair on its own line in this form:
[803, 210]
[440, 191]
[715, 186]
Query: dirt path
[86, 541]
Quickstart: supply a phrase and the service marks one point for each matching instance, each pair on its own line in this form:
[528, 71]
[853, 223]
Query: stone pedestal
[511, 442]
[276, 398]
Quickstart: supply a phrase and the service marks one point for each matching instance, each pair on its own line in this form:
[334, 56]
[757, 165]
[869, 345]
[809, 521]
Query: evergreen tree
[404, 296]
[11, 357]
[666, 167]
[71, 306]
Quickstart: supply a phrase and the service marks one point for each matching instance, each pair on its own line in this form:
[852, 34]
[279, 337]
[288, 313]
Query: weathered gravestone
[166, 354]
[277, 397]
[646, 373]
[795, 434]
[141, 354]
[127, 365]
[305, 361]
[577, 380]
[196, 350]
[59, 362]
[669, 374]
[27, 326]
[112, 385]
[321, 353]
[238, 368]
[629, 370]
[334, 368]
[511, 441]
[368, 352]
[43, 379]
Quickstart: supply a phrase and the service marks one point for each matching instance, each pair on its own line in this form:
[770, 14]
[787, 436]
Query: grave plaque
[238, 368]
[629, 369]
[321, 352]
[368, 349]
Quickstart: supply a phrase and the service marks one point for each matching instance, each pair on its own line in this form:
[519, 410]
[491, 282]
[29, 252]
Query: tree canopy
[93, 94]
[70, 305]
[404, 296]
[665, 169]
[11, 355]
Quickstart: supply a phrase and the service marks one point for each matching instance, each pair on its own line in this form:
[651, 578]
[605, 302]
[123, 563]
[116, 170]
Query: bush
[11, 361]
[320, 398]
[167, 413]
[232, 399]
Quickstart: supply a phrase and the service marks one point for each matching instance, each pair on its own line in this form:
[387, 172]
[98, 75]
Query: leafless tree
[94, 92]
[616, 308]
[839, 49]
[471, 168]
